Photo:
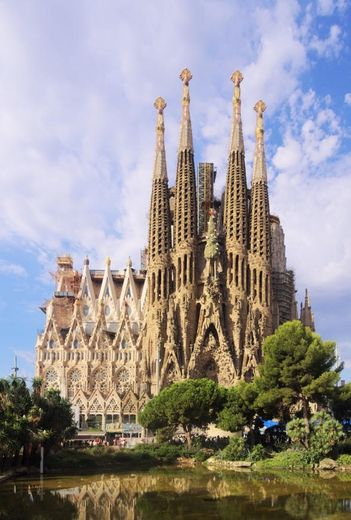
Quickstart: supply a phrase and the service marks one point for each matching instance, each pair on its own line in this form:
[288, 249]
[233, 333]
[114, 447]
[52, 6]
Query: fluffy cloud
[328, 7]
[348, 98]
[312, 193]
[77, 123]
[331, 45]
[12, 269]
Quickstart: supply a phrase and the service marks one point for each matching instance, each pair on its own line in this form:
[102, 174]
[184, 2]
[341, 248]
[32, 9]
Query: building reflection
[176, 494]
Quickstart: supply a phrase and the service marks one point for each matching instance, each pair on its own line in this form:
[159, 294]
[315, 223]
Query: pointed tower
[185, 227]
[235, 206]
[259, 321]
[235, 223]
[159, 262]
[159, 221]
[185, 218]
[306, 314]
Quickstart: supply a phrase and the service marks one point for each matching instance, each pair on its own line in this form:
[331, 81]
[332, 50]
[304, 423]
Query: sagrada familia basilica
[214, 285]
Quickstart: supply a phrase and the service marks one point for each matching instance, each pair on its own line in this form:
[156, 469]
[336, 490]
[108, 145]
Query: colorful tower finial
[186, 135]
[160, 167]
[235, 218]
[237, 141]
[260, 169]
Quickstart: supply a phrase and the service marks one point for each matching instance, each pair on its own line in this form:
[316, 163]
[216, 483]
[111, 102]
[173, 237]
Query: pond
[176, 494]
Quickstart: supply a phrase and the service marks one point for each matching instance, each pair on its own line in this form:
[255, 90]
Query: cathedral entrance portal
[206, 362]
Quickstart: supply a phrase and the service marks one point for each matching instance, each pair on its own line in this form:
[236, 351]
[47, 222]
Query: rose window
[51, 378]
[122, 381]
[100, 380]
[74, 376]
[73, 381]
[51, 375]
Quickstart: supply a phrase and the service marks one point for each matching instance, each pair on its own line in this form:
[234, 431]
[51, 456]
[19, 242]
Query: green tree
[239, 411]
[324, 433]
[28, 419]
[341, 402]
[297, 369]
[190, 403]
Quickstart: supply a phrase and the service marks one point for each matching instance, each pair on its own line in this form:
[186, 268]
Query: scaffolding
[206, 176]
[283, 285]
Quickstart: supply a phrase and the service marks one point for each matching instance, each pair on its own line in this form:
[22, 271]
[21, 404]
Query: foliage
[98, 457]
[297, 369]
[190, 403]
[341, 402]
[257, 453]
[275, 437]
[289, 459]
[240, 411]
[324, 433]
[344, 460]
[29, 419]
[236, 450]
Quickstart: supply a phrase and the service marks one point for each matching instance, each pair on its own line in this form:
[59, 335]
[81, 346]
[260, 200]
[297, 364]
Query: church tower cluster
[215, 285]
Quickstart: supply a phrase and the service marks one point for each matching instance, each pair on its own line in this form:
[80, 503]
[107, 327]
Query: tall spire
[259, 213]
[159, 222]
[237, 141]
[235, 208]
[186, 134]
[185, 218]
[306, 314]
[160, 167]
[259, 170]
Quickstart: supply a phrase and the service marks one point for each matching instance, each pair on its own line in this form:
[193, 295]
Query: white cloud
[312, 193]
[347, 98]
[328, 47]
[77, 122]
[11, 268]
[328, 7]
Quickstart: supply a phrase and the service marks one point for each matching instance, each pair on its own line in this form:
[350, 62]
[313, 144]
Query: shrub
[257, 453]
[288, 459]
[325, 433]
[235, 450]
[344, 460]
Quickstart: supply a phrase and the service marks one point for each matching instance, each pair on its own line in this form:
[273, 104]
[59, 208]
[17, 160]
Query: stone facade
[214, 287]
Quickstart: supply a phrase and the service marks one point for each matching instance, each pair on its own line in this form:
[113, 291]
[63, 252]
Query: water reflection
[178, 494]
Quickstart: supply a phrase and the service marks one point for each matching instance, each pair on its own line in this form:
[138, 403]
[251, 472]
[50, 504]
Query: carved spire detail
[185, 215]
[159, 220]
[260, 169]
[235, 208]
[186, 134]
[237, 141]
[260, 236]
[160, 167]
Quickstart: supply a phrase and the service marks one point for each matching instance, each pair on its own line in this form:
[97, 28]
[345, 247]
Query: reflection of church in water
[213, 285]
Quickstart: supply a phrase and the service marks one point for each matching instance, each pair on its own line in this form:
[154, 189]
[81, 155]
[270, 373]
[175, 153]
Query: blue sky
[77, 86]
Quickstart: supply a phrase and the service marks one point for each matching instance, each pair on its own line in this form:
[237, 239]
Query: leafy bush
[235, 450]
[344, 460]
[257, 453]
[325, 432]
[288, 459]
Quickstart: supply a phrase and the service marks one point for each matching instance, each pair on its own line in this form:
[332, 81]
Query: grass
[288, 459]
[142, 455]
[92, 458]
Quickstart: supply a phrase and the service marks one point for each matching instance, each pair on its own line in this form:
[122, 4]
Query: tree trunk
[306, 418]
[187, 430]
